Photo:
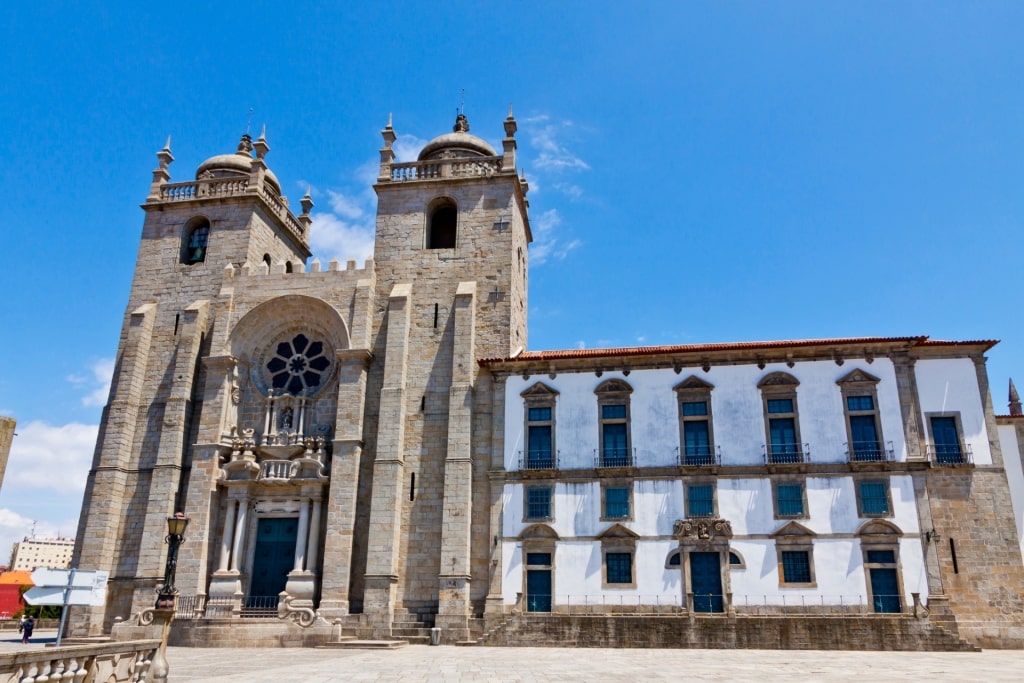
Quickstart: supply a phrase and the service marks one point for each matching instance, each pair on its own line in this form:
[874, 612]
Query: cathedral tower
[232, 214]
[451, 258]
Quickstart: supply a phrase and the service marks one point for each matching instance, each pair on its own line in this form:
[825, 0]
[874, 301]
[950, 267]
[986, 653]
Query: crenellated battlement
[280, 268]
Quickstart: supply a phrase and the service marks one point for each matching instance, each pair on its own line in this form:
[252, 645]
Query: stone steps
[353, 644]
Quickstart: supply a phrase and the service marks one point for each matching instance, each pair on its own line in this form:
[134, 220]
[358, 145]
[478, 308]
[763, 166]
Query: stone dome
[458, 143]
[239, 163]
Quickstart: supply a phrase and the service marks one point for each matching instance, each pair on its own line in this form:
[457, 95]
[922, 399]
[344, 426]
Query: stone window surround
[614, 392]
[616, 484]
[742, 564]
[539, 538]
[860, 383]
[701, 481]
[526, 503]
[618, 539]
[800, 539]
[955, 414]
[694, 389]
[775, 496]
[780, 385]
[539, 395]
[857, 481]
[888, 539]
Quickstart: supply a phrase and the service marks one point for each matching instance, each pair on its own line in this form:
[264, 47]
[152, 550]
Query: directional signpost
[67, 587]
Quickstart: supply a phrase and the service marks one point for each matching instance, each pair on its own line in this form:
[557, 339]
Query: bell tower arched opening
[442, 224]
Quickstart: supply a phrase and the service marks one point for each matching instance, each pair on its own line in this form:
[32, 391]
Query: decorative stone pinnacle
[307, 202]
[388, 127]
[164, 155]
[1015, 406]
[261, 145]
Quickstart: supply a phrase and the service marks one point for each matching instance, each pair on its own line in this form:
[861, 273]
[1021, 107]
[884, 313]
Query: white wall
[1010, 447]
[736, 407]
[950, 386]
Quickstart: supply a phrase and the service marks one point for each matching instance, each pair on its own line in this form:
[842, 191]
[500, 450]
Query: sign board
[67, 587]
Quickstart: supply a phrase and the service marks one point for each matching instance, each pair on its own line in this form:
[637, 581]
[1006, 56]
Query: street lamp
[166, 593]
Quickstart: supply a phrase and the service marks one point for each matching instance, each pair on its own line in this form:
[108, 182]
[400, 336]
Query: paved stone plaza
[448, 664]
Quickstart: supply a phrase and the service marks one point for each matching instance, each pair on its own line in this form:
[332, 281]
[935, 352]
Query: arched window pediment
[538, 532]
[693, 383]
[879, 529]
[613, 386]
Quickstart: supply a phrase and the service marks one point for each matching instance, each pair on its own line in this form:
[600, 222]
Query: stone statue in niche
[286, 419]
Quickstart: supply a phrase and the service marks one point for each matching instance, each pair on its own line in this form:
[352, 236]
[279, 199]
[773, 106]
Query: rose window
[298, 366]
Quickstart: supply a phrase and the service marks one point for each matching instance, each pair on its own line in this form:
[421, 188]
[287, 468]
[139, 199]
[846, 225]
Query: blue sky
[699, 171]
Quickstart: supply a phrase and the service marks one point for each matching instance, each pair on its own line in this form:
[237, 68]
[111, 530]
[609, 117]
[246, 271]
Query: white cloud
[335, 237]
[50, 459]
[97, 383]
[546, 244]
[407, 148]
[546, 137]
[45, 478]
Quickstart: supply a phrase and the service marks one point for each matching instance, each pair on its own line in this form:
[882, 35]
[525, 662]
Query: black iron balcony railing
[615, 457]
[786, 453]
[701, 456]
[951, 454]
[869, 451]
[538, 460]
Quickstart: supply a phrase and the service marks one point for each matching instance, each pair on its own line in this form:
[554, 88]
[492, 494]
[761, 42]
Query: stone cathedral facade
[372, 447]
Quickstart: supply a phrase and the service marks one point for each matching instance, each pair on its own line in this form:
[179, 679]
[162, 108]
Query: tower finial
[389, 126]
[1015, 406]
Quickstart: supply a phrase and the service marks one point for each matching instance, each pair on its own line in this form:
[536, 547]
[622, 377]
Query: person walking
[26, 630]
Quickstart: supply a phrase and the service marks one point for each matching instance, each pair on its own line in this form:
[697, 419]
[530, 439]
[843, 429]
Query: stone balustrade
[119, 662]
[457, 167]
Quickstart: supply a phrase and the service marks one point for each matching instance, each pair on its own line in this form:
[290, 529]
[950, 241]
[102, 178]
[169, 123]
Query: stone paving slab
[449, 664]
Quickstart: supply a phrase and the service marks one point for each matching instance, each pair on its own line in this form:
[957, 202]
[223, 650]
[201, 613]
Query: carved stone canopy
[702, 529]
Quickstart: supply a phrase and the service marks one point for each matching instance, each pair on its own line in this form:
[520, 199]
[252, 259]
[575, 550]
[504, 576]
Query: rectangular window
[697, 442]
[616, 502]
[700, 500]
[874, 498]
[694, 408]
[796, 566]
[860, 403]
[613, 412]
[539, 438]
[538, 502]
[614, 451]
[947, 440]
[881, 557]
[538, 559]
[789, 500]
[780, 405]
[619, 567]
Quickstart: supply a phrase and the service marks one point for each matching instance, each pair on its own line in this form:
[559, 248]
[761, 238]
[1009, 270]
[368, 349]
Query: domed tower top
[237, 164]
[458, 143]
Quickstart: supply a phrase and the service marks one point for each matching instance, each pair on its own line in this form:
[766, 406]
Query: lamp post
[166, 593]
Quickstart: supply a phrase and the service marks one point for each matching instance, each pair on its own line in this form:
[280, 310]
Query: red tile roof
[565, 354]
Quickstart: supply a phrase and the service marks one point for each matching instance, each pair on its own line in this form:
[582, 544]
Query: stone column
[103, 515]
[336, 576]
[910, 404]
[494, 609]
[991, 430]
[165, 479]
[301, 536]
[388, 471]
[240, 529]
[302, 581]
[454, 575]
[206, 502]
[313, 545]
[227, 537]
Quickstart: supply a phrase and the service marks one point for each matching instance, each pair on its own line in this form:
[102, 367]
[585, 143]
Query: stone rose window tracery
[298, 366]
